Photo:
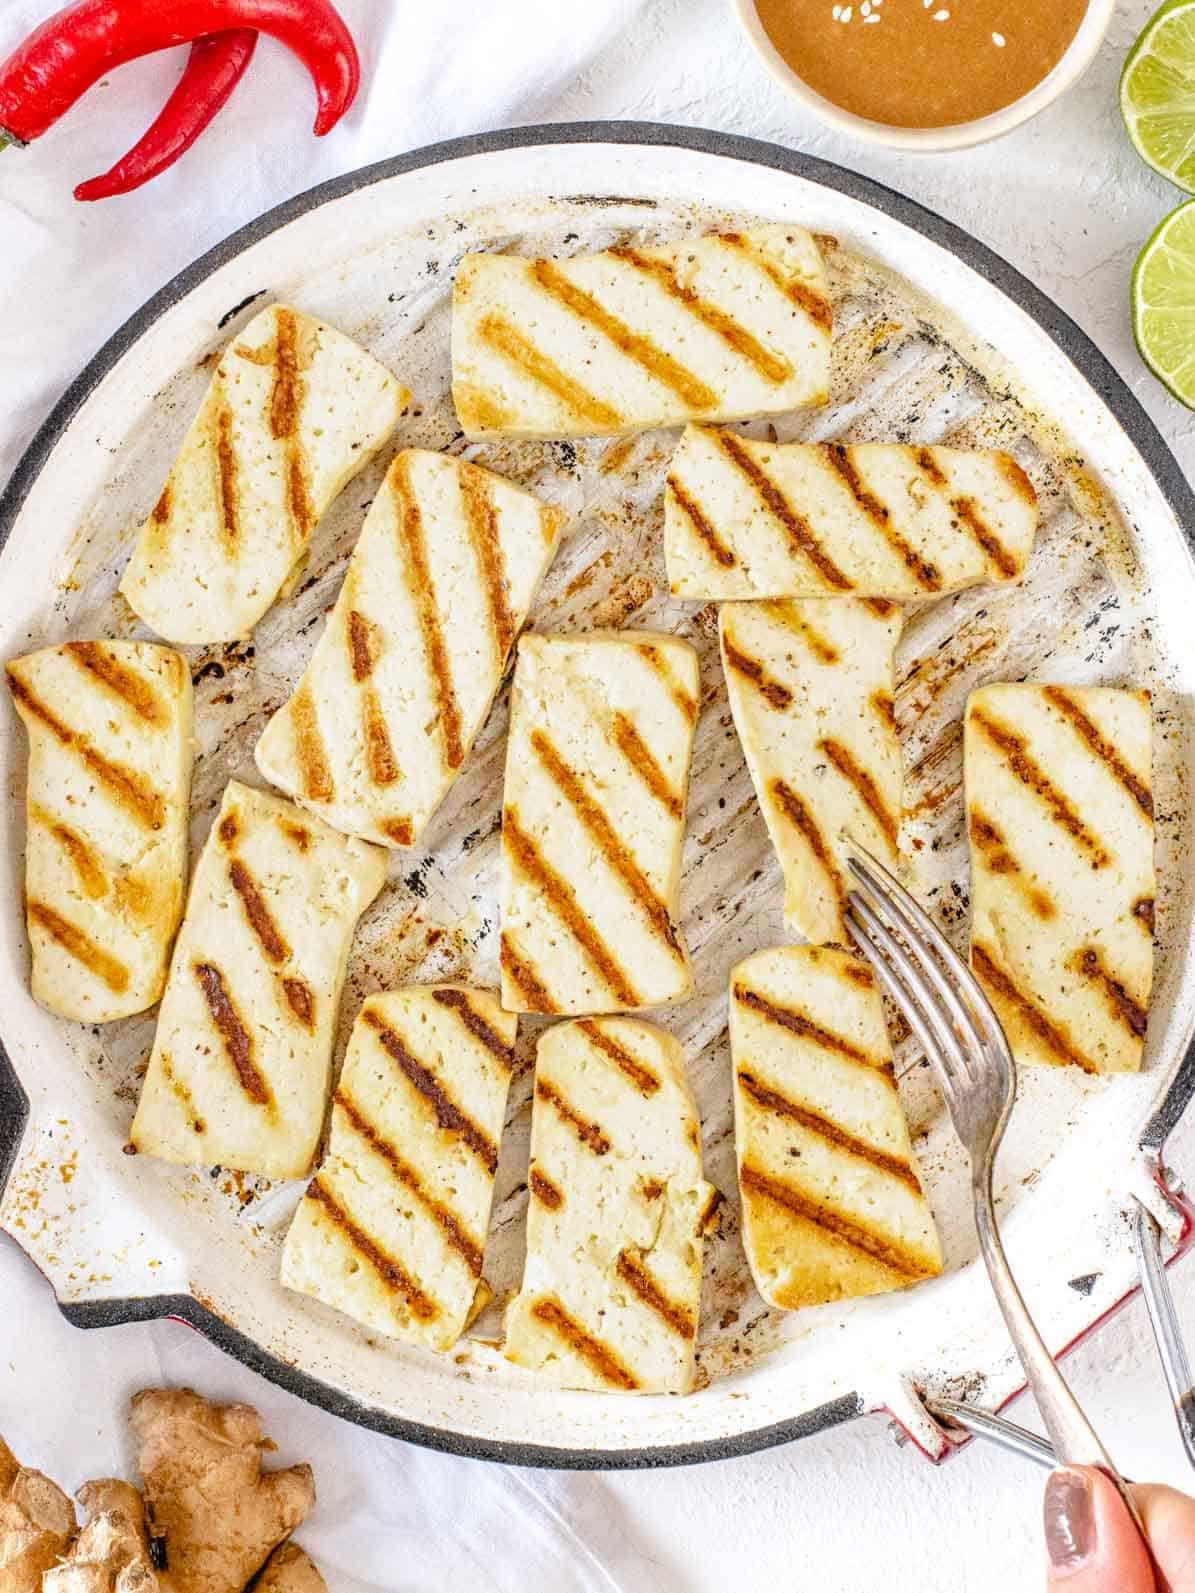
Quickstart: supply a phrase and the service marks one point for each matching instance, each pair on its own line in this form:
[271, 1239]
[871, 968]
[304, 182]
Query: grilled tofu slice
[293, 412]
[746, 519]
[597, 772]
[832, 1201]
[810, 686]
[393, 1226]
[447, 565]
[618, 1207]
[1060, 817]
[720, 327]
[241, 1059]
[110, 748]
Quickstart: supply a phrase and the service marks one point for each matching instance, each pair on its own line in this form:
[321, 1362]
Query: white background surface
[1066, 201]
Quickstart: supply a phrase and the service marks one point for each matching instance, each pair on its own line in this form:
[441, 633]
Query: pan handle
[1159, 1303]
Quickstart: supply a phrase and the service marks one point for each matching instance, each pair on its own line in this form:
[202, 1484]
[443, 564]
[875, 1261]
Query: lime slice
[1164, 303]
[1157, 93]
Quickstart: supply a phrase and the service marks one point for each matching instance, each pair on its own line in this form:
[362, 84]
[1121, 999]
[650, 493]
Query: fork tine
[891, 984]
[946, 970]
[914, 991]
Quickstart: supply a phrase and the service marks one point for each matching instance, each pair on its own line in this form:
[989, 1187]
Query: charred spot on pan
[1085, 1284]
[231, 315]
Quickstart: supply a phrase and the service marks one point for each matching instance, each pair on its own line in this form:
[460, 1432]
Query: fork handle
[1075, 1440]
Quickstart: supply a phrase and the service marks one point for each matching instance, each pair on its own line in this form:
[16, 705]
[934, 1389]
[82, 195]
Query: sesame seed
[998, 40]
[865, 9]
[846, 13]
[941, 16]
[875, 17]
[836, 13]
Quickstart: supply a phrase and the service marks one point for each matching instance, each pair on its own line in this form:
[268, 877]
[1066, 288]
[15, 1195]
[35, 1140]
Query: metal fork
[949, 1013]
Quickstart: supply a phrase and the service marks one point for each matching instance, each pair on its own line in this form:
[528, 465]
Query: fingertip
[1092, 1541]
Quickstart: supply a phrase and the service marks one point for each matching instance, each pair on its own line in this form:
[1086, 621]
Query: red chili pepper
[214, 68]
[71, 50]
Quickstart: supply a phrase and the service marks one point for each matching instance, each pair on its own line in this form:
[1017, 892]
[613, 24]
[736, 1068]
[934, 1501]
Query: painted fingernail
[1069, 1521]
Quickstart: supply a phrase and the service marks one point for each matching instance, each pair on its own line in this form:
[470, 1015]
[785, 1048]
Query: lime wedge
[1164, 303]
[1157, 93]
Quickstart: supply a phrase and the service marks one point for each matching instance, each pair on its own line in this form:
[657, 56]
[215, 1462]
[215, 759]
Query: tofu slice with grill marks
[294, 410]
[721, 327]
[832, 1200]
[392, 1228]
[597, 770]
[447, 565]
[612, 1284]
[810, 685]
[1060, 819]
[242, 1056]
[748, 519]
[107, 804]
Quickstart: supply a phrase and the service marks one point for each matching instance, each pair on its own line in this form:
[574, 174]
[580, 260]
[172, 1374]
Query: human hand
[1094, 1546]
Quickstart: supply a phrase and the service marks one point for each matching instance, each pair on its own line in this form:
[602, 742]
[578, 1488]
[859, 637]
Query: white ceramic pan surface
[936, 340]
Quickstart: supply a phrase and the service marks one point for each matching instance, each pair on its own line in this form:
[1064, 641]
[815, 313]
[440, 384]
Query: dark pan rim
[1063, 331]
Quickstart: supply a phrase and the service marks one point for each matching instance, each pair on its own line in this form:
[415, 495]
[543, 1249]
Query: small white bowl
[1070, 68]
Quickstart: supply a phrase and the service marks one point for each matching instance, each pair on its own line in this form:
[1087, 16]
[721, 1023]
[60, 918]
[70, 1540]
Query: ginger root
[289, 1570]
[37, 1523]
[219, 1517]
[111, 1554]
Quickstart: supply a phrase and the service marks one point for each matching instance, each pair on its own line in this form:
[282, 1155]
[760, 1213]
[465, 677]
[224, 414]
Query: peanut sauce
[921, 63]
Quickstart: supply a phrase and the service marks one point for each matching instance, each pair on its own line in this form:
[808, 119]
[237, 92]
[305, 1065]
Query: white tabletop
[1064, 199]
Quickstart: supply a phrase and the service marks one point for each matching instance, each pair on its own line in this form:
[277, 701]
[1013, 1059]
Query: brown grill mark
[85, 861]
[670, 373]
[813, 304]
[79, 945]
[859, 972]
[468, 1014]
[532, 991]
[882, 606]
[1130, 1011]
[989, 841]
[865, 785]
[774, 692]
[358, 632]
[659, 662]
[229, 828]
[481, 518]
[379, 750]
[590, 1134]
[826, 1129]
[300, 998]
[783, 611]
[563, 900]
[544, 1190]
[639, 755]
[803, 1026]
[520, 351]
[969, 515]
[1001, 984]
[799, 816]
[1143, 912]
[798, 530]
[310, 753]
[128, 789]
[131, 687]
[396, 1278]
[1016, 478]
[617, 454]
[1030, 773]
[238, 1042]
[929, 466]
[640, 1076]
[298, 494]
[410, 533]
[261, 920]
[693, 513]
[848, 1231]
[772, 367]
[400, 831]
[599, 1357]
[841, 461]
[1098, 743]
[461, 1241]
[617, 854]
[286, 394]
[448, 1114]
[635, 1275]
[226, 477]
[160, 512]
[885, 707]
